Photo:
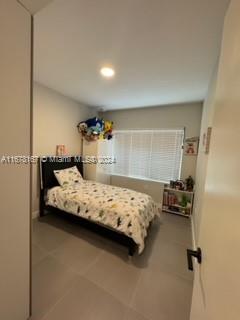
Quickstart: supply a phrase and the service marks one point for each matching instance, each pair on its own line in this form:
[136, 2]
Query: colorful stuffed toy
[82, 127]
[95, 128]
[108, 127]
[95, 122]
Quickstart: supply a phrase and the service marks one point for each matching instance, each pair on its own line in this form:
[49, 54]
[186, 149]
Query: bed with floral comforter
[126, 211]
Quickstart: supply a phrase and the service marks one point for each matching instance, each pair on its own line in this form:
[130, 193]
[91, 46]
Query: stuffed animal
[108, 127]
[95, 128]
[82, 127]
[101, 136]
[95, 122]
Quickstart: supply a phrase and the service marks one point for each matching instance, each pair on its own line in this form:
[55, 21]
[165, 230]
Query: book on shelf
[177, 203]
[169, 198]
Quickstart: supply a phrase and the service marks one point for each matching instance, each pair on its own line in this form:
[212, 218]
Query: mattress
[124, 210]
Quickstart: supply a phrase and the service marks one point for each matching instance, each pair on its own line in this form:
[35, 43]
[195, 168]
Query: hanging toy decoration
[108, 127]
[95, 128]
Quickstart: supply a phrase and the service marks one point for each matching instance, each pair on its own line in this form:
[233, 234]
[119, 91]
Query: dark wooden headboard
[50, 163]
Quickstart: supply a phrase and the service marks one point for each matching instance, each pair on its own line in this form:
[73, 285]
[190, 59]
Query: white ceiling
[164, 51]
[34, 5]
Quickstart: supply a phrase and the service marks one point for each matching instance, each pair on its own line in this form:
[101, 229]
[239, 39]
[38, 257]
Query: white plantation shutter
[148, 154]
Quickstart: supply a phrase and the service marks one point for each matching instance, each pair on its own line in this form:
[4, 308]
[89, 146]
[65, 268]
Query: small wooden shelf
[178, 206]
[180, 191]
[172, 198]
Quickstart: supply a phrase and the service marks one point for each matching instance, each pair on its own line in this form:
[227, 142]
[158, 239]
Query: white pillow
[68, 177]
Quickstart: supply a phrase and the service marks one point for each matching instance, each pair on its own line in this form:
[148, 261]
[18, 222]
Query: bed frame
[48, 180]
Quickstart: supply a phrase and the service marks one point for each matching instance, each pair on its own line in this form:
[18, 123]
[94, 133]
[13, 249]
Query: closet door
[15, 94]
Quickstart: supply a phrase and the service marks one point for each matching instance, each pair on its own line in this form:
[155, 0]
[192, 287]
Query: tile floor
[79, 275]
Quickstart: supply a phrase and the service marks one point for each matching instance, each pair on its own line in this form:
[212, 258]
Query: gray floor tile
[116, 275]
[175, 233]
[173, 219]
[156, 284]
[86, 301]
[77, 253]
[50, 282]
[37, 254]
[49, 236]
[133, 315]
[91, 237]
[170, 257]
[162, 296]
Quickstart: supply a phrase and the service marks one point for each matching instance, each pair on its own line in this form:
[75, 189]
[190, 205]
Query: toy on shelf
[189, 183]
[177, 201]
[178, 197]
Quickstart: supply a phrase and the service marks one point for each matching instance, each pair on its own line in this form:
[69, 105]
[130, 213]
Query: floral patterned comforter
[123, 210]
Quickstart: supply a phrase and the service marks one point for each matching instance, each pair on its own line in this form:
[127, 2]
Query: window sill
[138, 178]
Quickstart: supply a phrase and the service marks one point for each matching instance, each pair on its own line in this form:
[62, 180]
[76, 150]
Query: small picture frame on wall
[191, 146]
[60, 150]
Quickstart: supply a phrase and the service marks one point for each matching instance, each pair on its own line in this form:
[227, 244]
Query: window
[148, 154]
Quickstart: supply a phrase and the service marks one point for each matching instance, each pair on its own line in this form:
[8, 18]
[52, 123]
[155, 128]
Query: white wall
[154, 189]
[202, 160]
[15, 110]
[172, 116]
[35, 5]
[55, 119]
[96, 172]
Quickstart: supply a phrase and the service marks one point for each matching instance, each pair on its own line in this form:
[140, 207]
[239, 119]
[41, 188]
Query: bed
[123, 214]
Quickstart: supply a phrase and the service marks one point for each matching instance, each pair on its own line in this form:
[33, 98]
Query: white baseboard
[193, 234]
[35, 214]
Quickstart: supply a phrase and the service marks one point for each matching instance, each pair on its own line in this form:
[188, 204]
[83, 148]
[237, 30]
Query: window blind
[148, 154]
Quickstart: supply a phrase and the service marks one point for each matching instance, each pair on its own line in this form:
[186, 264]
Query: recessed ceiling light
[107, 72]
